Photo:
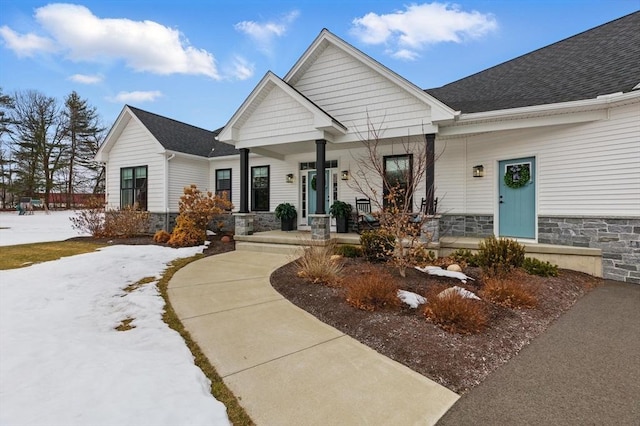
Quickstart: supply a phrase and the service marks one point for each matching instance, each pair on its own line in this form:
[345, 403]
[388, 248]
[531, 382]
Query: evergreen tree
[83, 137]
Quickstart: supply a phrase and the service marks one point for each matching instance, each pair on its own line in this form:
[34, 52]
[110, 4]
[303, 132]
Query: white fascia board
[525, 122]
[538, 115]
[322, 120]
[282, 139]
[113, 135]
[227, 134]
[185, 155]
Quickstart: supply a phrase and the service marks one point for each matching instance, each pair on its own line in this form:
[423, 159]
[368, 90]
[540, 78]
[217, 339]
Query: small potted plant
[287, 214]
[341, 211]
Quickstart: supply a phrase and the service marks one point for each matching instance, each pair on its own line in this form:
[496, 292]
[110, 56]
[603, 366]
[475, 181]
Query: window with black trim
[398, 172]
[260, 188]
[133, 187]
[223, 183]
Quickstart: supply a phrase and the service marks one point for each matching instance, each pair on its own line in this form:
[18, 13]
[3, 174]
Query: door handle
[501, 202]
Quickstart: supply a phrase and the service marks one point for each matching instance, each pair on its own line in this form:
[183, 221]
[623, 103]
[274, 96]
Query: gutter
[166, 195]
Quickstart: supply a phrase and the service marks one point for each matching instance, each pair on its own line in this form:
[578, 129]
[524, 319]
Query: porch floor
[583, 259]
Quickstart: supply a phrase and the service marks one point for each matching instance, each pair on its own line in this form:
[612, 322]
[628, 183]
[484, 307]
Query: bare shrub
[371, 291]
[91, 219]
[161, 237]
[509, 292]
[196, 209]
[201, 207]
[317, 265]
[456, 314]
[125, 223]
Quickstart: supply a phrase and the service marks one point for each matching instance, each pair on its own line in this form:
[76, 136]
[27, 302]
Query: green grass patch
[237, 415]
[22, 255]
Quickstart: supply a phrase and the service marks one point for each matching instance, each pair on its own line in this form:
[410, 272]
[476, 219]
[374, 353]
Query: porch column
[244, 219]
[244, 180]
[430, 140]
[321, 145]
[320, 221]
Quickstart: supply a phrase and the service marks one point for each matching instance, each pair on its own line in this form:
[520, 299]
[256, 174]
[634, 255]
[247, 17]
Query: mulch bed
[458, 362]
[216, 245]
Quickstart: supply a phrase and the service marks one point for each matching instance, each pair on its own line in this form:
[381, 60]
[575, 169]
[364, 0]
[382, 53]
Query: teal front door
[517, 198]
[311, 190]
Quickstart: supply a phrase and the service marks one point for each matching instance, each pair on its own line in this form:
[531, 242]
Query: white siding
[450, 179]
[184, 172]
[232, 163]
[350, 91]
[135, 147]
[277, 115]
[589, 169]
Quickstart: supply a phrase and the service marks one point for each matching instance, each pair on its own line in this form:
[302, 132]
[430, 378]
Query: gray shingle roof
[602, 60]
[181, 137]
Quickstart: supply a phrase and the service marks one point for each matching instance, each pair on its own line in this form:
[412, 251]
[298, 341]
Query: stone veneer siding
[157, 221]
[618, 238]
[480, 226]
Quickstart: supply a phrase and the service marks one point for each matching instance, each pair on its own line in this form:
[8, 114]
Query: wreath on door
[517, 176]
[313, 183]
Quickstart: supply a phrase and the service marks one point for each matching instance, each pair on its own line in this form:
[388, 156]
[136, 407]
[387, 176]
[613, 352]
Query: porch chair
[416, 219]
[364, 219]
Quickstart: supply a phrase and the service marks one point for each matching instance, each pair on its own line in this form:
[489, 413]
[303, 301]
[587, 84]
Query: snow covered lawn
[35, 228]
[63, 363]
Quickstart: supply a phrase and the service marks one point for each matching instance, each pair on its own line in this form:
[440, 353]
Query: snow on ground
[38, 227]
[436, 270]
[412, 299]
[63, 363]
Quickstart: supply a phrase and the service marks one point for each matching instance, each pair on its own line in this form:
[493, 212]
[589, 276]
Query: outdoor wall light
[290, 178]
[344, 175]
[478, 171]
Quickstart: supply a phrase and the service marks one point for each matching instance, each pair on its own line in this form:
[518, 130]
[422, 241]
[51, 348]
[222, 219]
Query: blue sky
[196, 61]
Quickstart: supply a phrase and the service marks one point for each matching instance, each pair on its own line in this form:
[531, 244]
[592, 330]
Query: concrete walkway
[285, 366]
[584, 370]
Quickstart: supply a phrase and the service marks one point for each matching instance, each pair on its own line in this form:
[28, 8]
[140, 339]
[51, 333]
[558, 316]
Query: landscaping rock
[454, 268]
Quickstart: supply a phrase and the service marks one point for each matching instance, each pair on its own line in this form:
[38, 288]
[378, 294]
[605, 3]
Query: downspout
[166, 196]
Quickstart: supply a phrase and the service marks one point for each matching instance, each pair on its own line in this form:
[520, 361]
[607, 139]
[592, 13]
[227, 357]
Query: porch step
[293, 250]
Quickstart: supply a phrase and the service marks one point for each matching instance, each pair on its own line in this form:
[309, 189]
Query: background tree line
[48, 147]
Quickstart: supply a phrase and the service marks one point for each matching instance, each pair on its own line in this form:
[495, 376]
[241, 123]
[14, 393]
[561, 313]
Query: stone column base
[320, 227]
[430, 230]
[244, 223]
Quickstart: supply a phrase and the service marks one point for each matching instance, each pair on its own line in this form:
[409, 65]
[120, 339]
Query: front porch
[582, 259]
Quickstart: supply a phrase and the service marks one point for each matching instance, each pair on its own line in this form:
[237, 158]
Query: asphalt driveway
[584, 370]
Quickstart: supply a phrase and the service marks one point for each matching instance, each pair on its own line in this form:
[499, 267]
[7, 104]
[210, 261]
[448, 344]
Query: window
[260, 188]
[223, 183]
[133, 187]
[398, 171]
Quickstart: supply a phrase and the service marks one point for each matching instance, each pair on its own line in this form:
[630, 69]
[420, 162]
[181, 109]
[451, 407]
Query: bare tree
[392, 185]
[39, 150]
[6, 172]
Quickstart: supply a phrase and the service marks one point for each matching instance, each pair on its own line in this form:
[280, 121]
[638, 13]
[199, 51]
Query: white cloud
[26, 45]
[242, 69]
[264, 33]
[405, 54]
[87, 79]
[144, 46]
[420, 25]
[136, 96]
